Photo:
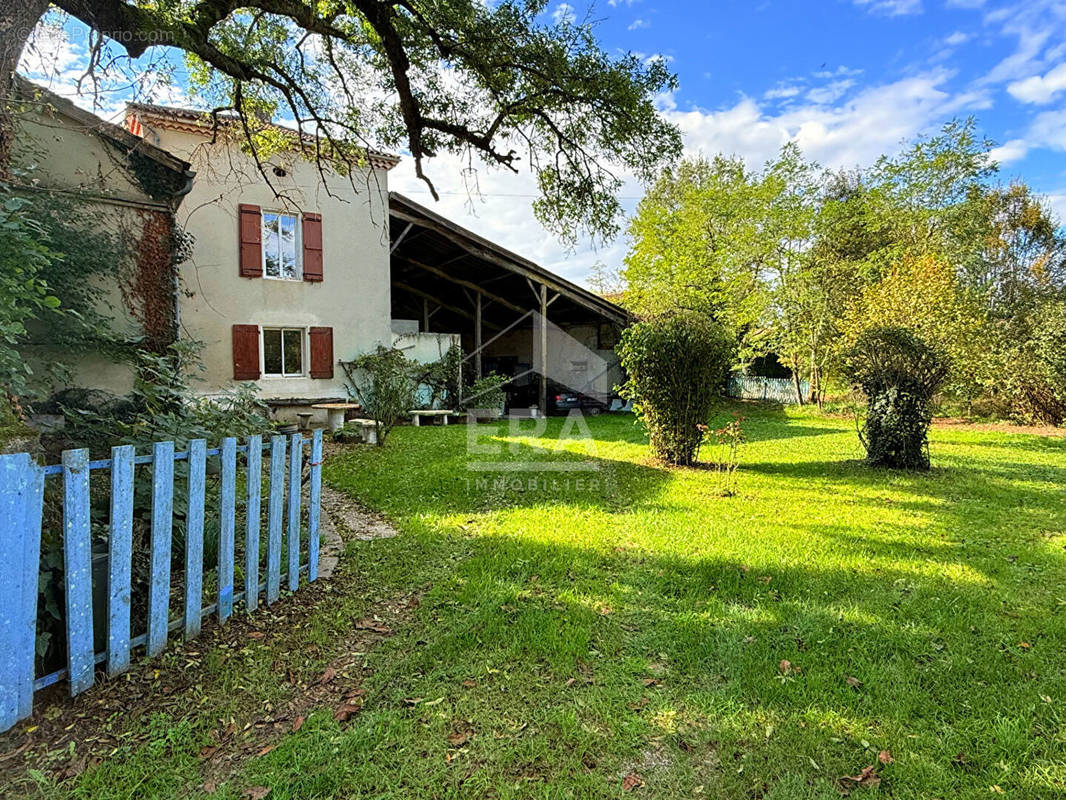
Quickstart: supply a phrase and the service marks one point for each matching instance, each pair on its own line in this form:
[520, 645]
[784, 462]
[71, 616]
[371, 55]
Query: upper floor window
[281, 246]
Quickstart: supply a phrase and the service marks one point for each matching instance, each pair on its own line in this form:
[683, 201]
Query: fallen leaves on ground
[867, 779]
[346, 710]
[256, 792]
[297, 724]
[632, 781]
[853, 682]
[459, 738]
[367, 624]
[885, 757]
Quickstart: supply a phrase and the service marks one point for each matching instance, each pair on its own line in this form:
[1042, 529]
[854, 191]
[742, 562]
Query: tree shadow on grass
[934, 661]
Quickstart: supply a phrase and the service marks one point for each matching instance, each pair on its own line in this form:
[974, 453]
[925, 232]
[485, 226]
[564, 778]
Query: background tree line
[799, 262]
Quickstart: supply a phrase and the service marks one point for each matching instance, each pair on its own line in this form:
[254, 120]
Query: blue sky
[846, 79]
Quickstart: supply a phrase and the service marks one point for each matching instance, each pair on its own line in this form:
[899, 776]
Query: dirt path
[65, 736]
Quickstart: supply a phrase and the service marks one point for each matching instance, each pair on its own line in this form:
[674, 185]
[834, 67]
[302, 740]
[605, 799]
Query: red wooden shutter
[245, 352]
[321, 352]
[313, 250]
[251, 237]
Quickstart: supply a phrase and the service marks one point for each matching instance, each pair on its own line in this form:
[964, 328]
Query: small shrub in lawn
[726, 442]
[899, 374]
[486, 393]
[385, 384]
[677, 365]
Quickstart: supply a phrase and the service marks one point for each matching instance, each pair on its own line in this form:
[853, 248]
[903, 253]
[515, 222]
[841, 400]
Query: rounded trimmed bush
[676, 365]
[899, 373]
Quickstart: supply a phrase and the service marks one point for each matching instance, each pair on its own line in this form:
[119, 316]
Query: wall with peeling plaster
[54, 152]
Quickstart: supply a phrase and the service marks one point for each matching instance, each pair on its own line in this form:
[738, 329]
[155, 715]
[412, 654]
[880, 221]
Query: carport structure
[450, 280]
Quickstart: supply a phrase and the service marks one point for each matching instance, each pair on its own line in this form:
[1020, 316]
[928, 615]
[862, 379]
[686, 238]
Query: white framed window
[284, 352]
[281, 246]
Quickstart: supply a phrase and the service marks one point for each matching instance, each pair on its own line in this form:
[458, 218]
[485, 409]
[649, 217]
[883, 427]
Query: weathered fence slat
[162, 528]
[78, 570]
[120, 559]
[314, 501]
[293, 536]
[226, 531]
[251, 531]
[194, 537]
[277, 489]
[21, 495]
[32, 512]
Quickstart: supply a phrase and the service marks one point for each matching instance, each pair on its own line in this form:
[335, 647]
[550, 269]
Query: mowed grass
[633, 620]
[577, 627]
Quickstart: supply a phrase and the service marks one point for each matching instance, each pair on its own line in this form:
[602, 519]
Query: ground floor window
[283, 351]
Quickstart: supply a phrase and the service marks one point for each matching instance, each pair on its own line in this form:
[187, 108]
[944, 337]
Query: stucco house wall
[353, 297]
[127, 187]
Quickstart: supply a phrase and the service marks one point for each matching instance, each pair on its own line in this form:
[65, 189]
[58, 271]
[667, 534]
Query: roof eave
[407, 208]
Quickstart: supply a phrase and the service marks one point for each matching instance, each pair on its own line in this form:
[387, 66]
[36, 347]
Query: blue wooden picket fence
[22, 493]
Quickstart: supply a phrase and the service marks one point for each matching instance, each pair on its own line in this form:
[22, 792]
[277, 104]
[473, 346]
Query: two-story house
[285, 275]
[283, 279]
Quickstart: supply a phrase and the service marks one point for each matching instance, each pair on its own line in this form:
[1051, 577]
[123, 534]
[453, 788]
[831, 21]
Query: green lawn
[575, 628]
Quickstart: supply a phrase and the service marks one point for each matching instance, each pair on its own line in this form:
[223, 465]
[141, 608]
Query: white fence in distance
[775, 390]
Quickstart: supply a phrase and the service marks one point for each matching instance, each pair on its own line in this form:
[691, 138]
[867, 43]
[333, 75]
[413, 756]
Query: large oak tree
[494, 82]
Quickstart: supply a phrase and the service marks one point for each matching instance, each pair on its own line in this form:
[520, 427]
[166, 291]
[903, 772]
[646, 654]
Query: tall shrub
[1033, 365]
[385, 383]
[676, 365]
[899, 374]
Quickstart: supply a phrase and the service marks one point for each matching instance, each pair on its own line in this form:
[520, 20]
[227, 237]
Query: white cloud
[1040, 89]
[829, 93]
[1009, 152]
[840, 72]
[639, 23]
[873, 121]
[1049, 129]
[564, 12]
[782, 92]
[957, 38]
[1039, 30]
[892, 8]
[1057, 201]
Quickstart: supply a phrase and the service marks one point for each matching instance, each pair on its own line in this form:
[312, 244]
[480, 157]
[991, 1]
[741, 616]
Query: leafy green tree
[923, 295]
[1019, 255]
[489, 81]
[697, 244]
[922, 197]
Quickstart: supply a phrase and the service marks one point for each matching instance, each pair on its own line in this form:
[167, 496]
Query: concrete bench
[335, 413]
[443, 413]
[370, 429]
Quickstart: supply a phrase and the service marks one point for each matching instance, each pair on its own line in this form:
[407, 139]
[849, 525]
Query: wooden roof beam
[447, 306]
[461, 282]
